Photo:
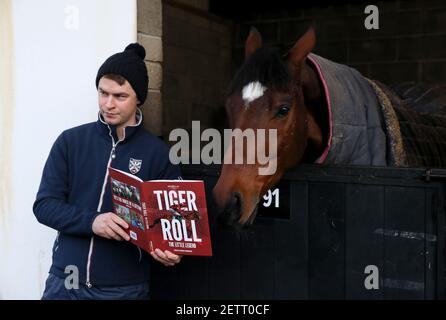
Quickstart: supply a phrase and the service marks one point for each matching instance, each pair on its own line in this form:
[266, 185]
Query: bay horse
[324, 113]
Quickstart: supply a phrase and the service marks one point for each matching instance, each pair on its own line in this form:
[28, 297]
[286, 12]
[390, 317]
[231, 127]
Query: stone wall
[192, 54]
[409, 46]
[150, 33]
[197, 50]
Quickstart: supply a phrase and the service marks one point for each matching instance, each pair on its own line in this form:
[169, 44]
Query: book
[165, 214]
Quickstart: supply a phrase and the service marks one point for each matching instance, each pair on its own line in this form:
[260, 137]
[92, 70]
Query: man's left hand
[166, 257]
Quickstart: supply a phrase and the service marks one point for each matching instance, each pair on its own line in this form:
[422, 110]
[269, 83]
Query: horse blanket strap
[415, 117]
[396, 152]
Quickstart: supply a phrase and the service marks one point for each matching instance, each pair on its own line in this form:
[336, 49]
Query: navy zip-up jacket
[75, 189]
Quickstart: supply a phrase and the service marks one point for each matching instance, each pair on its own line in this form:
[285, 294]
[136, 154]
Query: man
[74, 196]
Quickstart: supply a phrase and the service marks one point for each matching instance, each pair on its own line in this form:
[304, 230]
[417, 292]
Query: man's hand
[167, 258]
[110, 226]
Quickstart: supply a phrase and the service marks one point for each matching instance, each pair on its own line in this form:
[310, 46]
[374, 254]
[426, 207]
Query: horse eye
[283, 111]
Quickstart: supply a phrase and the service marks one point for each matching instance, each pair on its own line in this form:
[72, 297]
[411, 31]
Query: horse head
[269, 91]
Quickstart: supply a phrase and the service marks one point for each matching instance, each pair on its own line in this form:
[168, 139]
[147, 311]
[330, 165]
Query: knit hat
[130, 65]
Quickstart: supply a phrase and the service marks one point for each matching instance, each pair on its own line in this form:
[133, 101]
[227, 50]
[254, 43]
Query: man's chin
[111, 120]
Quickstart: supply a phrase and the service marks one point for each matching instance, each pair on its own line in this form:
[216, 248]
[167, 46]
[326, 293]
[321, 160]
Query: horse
[324, 113]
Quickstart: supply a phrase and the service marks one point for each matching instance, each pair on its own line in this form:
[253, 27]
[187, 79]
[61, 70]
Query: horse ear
[253, 42]
[302, 48]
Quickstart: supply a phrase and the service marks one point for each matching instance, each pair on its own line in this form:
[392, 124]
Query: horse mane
[265, 65]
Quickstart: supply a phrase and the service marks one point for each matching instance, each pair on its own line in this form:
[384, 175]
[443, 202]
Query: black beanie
[130, 65]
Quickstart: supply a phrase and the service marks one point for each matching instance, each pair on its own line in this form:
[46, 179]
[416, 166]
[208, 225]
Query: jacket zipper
[111, 157]
[104, 184]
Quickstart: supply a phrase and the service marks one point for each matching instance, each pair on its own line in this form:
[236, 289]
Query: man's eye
[283, 111]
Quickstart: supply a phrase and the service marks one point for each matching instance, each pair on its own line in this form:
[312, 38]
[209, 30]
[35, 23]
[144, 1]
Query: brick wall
[198, 4]
[192, 54]
[149, 25]
[409, 46]
[197, 50]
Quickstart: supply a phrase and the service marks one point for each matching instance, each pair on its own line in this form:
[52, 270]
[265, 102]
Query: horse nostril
[231, 213]
[236, 201]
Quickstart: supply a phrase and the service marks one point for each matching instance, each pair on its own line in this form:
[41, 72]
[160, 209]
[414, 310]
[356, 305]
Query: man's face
[117, 103]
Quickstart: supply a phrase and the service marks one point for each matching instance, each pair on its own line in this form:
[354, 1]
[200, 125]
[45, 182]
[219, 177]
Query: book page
[128, 205]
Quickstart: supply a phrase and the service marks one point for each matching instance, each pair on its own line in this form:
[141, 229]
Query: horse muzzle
[230, 211]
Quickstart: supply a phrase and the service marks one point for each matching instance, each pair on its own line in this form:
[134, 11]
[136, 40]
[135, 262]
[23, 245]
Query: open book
[165, 214]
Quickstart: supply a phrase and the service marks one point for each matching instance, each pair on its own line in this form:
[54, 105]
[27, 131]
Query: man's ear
[253, 42]
[298, 53]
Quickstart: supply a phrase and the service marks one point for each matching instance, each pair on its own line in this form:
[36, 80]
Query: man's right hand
[110, 226]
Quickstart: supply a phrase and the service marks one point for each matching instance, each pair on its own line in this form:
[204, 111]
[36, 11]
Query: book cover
[165, 214]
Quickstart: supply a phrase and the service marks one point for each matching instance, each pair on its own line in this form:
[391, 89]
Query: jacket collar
[110, 130]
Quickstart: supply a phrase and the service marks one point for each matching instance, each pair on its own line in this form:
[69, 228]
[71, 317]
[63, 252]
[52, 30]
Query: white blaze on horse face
[252, 91]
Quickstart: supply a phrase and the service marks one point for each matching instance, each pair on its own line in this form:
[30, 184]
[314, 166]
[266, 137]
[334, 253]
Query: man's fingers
[117, 229]
[105, 235]
[159, 259]
[108, 225]
[112, 233]
[119, 221]
[154, 256]
[160, 254]
[167, 258]
[172, 256]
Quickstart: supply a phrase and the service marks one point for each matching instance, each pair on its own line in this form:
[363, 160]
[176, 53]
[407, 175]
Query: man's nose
[109, 103]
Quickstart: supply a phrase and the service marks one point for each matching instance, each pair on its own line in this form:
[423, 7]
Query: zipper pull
[88, 283]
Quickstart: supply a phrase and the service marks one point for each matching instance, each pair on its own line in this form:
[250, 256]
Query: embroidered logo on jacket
[134, 165]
